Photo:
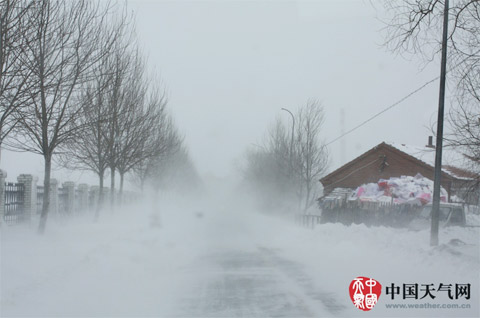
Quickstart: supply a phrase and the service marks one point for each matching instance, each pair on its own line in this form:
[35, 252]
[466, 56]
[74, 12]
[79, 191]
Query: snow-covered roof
[453, 162]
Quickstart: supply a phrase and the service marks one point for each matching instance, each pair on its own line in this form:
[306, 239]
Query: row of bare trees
[74, 87]
[287, 166]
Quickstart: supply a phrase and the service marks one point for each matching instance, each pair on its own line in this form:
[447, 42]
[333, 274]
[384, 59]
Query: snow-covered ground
[223, 262]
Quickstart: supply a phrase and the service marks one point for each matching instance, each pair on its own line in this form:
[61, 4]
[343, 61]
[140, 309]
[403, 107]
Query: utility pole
[438, 152]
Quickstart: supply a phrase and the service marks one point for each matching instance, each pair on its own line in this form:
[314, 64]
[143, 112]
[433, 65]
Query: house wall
[368, 168]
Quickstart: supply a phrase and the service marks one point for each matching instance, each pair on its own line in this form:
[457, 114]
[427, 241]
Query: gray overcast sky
[229, 66]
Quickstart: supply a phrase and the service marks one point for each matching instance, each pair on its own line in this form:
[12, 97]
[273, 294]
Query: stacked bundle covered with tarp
[416, 190]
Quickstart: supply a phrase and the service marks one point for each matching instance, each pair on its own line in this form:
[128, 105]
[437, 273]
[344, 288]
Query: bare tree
[415, 27]
[163, 144]
[59, 59]
[465, 121]
[89, 150]
[124, 64]
[310, 154]
[464, 136]
[288, 168]
[15, 32]
[125, 118]
[151, 138]
[91, 147]
[137, 117]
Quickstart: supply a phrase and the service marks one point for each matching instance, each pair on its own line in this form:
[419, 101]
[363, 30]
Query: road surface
[215, 264]
[241, 275]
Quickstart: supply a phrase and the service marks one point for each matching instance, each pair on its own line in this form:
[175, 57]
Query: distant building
[388, 160]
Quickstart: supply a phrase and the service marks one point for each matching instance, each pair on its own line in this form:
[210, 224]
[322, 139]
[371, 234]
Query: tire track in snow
[293, 272]
[253, 283]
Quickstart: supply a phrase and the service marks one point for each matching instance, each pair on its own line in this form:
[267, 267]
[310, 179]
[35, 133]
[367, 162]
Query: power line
[397, 102]
[384, 110]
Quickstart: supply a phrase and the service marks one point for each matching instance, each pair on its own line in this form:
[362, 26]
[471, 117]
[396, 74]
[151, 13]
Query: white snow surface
[220, 261]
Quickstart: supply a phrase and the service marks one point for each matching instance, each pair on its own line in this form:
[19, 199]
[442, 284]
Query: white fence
[23, 200]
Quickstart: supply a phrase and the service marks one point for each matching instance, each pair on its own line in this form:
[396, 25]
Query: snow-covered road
[223, 264]
[238, 283]
[239, 272]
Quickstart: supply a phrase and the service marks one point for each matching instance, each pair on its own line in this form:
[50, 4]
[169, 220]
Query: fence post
[70, 204]
[3, 176]
[94, 194]
[106, 197]
[53, 197]
[30, 195]
[82, 203]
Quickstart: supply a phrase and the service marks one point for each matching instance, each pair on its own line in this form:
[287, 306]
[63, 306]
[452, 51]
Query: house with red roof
[387, 160]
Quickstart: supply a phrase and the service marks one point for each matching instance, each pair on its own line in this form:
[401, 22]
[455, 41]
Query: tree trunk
[143, 179]
[46, 194]
[142, 184]
[100, 196]
[112, 187]
[120, 196]
[307, 198]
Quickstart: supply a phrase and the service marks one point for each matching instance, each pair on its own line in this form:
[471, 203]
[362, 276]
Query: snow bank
[334, 254]
[118, 266]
